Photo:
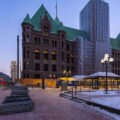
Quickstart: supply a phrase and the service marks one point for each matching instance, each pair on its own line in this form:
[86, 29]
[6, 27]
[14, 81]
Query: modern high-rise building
[94, 22]
[13, 70]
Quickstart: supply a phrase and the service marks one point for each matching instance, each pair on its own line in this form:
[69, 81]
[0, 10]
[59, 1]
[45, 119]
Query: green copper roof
[57, 20]
[115, 43]
[27, 19]
[118, 37]
[71, 33]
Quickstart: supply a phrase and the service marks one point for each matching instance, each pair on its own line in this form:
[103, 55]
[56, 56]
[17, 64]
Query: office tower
[94, 22]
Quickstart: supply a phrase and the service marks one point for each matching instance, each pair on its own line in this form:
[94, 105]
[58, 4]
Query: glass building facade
[94, 22]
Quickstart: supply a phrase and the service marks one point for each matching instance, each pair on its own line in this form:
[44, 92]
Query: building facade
[52, 50]
[94, 21]
[13, 70]
[115, 43]
[48, 46]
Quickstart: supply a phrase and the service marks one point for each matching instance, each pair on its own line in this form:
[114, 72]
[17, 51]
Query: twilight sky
[12, 13]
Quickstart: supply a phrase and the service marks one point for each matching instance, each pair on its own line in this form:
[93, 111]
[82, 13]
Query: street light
[105, 61]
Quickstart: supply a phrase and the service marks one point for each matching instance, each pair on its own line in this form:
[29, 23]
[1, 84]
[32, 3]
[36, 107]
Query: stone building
[13, 70]
[48, 46]
[115, 43]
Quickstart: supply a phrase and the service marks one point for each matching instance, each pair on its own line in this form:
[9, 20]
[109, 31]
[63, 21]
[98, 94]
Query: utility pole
[17, 58]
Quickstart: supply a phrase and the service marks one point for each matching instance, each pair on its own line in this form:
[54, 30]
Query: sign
[64, 86]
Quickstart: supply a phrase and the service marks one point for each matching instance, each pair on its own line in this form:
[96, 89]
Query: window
[27, 39]
[24, 66]
[62, 35]
[67, 46]
[37, 41]
[68, 60]
[62, 68]
[23, 38]
[27, 54]
[37, 76]
[46, 41]
[72, 70]
[27, 29]
[72, 59]
[37, 66]
[37, 54]
[27, 75]
[46, 55]
[62, 56]
[45, 67]
[62, 44]
[67, 68]
[54, 43]
[54, 68]
[46, 30]
[54, 57]
[72, 48]
[24, 52]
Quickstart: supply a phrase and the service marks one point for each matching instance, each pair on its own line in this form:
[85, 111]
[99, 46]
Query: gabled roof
[27, 19]
[71, 33]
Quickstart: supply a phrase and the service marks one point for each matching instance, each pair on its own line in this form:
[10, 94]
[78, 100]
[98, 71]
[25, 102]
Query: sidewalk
[49, 106]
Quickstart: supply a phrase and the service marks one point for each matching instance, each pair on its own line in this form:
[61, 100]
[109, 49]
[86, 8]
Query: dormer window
[46, 30]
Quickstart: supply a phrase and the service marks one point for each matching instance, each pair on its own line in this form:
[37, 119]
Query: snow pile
[100, 92]
[113, 102]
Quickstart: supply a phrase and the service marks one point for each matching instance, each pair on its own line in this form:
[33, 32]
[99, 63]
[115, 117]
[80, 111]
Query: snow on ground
[100, 92]
[113, 102]
[115, 116]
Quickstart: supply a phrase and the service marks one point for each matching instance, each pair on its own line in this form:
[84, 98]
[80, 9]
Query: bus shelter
[98, 80]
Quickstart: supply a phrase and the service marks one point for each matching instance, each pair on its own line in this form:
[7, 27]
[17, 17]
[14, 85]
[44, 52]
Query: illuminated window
[54, 56]
[46, 55]
[37, 54]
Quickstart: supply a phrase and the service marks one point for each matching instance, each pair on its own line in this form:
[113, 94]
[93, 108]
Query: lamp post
[106, 60]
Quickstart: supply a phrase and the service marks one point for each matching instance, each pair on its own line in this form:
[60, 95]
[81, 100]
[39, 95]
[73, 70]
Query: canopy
[103, 74]
[79, 76]
[68, 79]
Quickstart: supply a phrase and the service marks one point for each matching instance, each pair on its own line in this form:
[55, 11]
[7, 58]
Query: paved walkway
[49, 106]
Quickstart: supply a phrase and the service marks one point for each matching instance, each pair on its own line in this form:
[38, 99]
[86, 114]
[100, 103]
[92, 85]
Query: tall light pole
[18, 58]
[106, 60]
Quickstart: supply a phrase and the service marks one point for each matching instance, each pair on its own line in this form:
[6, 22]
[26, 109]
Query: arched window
[37, 54]
[46, 55]
[46, 30]
[54, 56]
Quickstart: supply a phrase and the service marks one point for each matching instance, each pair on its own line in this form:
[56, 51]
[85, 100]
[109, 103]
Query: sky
[12, 13]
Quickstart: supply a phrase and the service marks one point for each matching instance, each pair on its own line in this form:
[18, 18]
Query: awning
[103, 74]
